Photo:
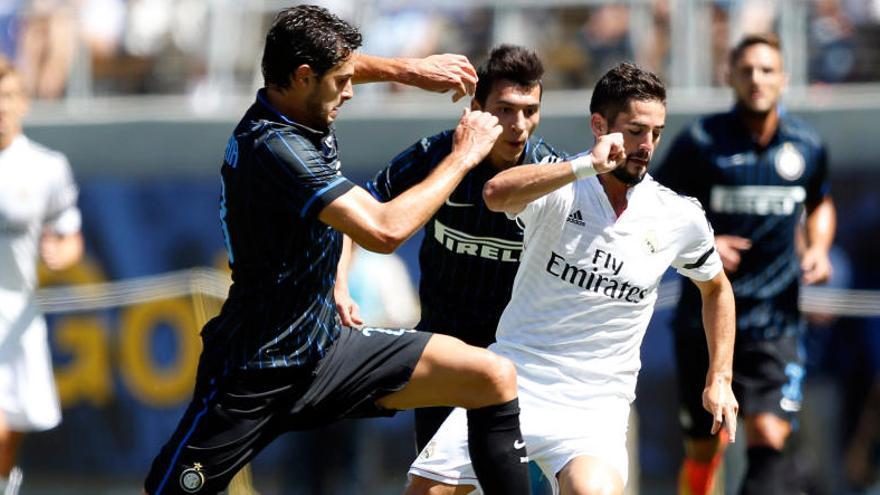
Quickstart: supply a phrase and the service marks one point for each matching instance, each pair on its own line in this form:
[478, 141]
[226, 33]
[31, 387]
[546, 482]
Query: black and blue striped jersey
[276, 178]
[469, 255]
[756, 193]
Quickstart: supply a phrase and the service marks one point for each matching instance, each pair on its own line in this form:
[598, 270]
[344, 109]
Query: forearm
[344, 263]
[719, 321]
[369, 68]
[511, 190]
[409, 211]
[821, 225]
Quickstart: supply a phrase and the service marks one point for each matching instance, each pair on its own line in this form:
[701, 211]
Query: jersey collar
[264, 102]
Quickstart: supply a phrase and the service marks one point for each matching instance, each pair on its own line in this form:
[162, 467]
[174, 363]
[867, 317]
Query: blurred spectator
[46, 45]
[832, 43]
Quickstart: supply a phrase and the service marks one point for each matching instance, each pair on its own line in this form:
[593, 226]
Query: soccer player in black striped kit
[277, 359]
[755, 169]
[469, 255]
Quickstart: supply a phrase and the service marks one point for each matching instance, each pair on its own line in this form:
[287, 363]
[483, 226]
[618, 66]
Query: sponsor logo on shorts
[192, 479]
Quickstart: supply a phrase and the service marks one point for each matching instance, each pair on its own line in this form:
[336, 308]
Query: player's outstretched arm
[511, 190]
[821, 225]
[437, 73]
[382, 227]
[719, 321]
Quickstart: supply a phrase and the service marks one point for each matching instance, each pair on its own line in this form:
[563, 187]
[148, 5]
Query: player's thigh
[452, 373]
[589, 475]
[423, 486]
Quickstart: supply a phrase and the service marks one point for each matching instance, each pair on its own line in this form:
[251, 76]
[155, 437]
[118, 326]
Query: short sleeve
[308, 179]
[698, 258]
[410, 167]
[62, 215]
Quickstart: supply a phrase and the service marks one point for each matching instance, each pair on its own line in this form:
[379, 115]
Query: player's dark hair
[513, 63]
[306, 34]
[768, 39]
[621, 84]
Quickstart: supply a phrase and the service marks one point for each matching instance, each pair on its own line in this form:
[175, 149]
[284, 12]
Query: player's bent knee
[767, 430]
[500, 379]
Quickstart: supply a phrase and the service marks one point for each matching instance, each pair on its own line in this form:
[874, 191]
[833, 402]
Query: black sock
[765, 474]
[497, 450]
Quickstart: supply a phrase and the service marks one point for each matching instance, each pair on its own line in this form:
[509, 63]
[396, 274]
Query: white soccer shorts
[28, 397]
[554, 435]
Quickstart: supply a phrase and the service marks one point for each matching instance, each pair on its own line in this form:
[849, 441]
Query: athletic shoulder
[675, 203]
[798, 129]
[47, 158]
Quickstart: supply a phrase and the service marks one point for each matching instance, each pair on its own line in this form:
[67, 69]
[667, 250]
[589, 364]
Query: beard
[319, 118]
[629, 178]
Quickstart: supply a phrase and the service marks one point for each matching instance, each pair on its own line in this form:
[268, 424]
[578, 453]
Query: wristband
[582, 166]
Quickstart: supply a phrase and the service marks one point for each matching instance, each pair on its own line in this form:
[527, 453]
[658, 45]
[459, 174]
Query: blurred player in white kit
[38, 218]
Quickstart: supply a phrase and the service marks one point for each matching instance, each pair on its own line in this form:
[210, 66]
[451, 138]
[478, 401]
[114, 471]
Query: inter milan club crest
[790, 162]
[192, 479]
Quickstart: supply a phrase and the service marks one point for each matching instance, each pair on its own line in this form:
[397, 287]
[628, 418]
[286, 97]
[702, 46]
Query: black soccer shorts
[767, 378]
[234, 415]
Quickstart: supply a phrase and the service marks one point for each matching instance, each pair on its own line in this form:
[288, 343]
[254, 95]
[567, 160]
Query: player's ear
[598, 125]
[302, 76]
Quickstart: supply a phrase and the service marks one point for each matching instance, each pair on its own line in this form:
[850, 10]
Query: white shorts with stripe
[554, 435]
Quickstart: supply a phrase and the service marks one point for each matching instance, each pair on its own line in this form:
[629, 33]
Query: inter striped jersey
[276, 178]
[756, 193]
[469, 254]
[586, 288]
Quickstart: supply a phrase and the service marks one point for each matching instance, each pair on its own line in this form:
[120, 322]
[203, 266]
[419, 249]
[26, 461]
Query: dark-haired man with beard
[277, 359]
[598, 235]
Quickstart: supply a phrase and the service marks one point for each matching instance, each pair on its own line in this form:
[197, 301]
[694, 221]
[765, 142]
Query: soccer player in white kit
[38, 217]
[599, 234]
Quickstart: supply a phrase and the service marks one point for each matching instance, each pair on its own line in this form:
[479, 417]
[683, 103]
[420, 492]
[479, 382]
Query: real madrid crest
[650, 243]
[192, 479]
[790, 162]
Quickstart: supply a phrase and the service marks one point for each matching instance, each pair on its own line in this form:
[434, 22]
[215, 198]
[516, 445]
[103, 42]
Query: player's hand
[608, 152]
[815, 266]
[718, 399]
[729, 249]
[442, 73]
[475, 136]
[348, 310]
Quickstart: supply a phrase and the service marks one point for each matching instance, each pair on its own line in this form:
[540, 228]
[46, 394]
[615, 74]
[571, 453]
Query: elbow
[493, 196]
[384, 241]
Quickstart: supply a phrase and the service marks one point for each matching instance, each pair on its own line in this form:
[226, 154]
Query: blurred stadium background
[141, 96]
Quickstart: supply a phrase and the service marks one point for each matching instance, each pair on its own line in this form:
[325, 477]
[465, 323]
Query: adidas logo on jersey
[576, 218]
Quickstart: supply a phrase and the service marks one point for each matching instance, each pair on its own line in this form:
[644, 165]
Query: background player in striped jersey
[277, 359]
[469, 254]
[754, 168]
[38, 219]
[596, 247]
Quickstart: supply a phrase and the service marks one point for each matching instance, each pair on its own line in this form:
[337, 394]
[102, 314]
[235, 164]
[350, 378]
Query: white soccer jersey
[586, 287]
[36, 192]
